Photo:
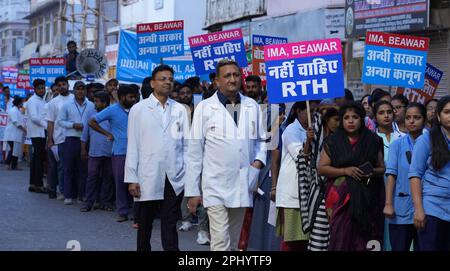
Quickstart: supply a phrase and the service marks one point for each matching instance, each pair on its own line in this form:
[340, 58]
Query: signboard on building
[183, 69]
[208, 49]
[384, 16]
[395, 60]
[432, 78]
[162, 39]
[309, 70]
[258, 43]
[47, 69]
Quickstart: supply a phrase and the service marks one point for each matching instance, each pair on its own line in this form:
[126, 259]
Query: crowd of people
[335, 174]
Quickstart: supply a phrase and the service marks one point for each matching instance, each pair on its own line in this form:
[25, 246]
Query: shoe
[96, 206]
[32, 188]
[85, 209]
[203, 238]
[51, 195]
[60, 196]
[68, 202]
[185, 226]
[40, 190]
[121, 219]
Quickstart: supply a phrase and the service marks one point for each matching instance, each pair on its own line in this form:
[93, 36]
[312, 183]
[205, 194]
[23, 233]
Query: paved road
[31, 221]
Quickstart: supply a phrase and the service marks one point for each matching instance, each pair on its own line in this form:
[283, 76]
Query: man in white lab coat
[226, 151]
[155, 164]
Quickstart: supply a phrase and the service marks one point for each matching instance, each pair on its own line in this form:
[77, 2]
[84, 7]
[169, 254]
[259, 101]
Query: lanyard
[81, 113]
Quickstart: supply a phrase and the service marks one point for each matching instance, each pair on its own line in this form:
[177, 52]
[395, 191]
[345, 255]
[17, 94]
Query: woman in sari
[354, 197]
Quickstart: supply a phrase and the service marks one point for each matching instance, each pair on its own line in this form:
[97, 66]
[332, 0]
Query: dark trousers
[435, 236]
[74, 169]
[37, 161]
[169, 211]
[55, 172]
[11, 160]
[124, 201]
[401, 236]
[99, 183]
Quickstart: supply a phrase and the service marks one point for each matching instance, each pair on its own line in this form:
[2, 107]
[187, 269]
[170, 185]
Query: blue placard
[206, 57]
[394, 66]
[183, 69]
[259, 40]
[47, 69]
[160, 44]
[129, 67]
[208, 49]
[308, 70]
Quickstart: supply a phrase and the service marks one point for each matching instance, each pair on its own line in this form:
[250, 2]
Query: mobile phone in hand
[366, 168]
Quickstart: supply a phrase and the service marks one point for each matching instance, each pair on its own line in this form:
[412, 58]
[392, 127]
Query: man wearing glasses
[154, 169]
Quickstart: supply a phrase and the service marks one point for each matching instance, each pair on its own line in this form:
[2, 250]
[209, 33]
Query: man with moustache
[226, 151]
[117, 115]
[253, 87]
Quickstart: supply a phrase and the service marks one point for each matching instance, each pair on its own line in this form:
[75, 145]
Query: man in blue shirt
[99, 159]
[72, 116]
[117, 115]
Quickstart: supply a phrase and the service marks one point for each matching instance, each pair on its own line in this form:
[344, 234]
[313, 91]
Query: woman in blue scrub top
[430, 182]
[384, 116]
[399, 207]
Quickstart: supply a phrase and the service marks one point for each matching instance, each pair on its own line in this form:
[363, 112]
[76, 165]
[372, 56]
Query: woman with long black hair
[430, 182]
[399, 207]
[354, 197]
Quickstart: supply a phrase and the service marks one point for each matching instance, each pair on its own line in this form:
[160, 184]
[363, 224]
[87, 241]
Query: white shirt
[220, 153]
[12, 132]
[162, 111]
[35, 111]
[53, 108]
[287, 185]
[156, 149]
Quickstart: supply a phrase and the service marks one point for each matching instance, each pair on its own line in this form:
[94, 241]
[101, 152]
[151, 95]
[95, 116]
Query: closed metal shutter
[439, 56]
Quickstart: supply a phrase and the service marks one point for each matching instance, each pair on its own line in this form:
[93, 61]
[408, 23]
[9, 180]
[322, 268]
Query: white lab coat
[12, 132]
[222, 153]
[154, 151]
[293, 138]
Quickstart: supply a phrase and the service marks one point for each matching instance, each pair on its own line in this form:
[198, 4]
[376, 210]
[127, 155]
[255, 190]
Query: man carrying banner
[231, 124]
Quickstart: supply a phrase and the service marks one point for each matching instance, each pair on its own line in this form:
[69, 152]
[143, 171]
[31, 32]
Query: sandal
[106, 208]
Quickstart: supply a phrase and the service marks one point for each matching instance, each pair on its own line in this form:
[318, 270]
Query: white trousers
[225, 226]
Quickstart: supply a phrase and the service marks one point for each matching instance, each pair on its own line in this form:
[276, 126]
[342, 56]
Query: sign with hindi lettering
[258, 43]
[432, 78]
[9, 75]
[395, 60]
[162, 39]
[47, 69]
[207, 50]
[308, 70]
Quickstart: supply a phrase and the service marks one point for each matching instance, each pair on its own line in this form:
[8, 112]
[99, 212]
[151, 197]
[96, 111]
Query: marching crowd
[335, 174]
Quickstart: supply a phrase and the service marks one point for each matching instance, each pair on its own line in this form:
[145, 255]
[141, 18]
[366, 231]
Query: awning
[29, 51]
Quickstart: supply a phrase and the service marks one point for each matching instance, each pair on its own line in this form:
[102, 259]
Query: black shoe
[41, 190]
[32, 188]
[51, 195]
